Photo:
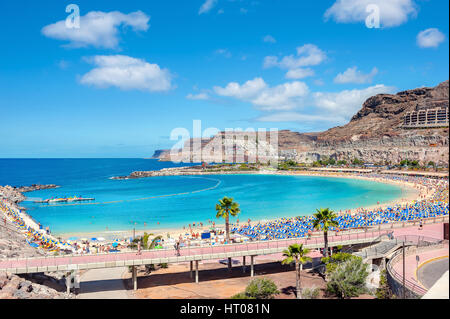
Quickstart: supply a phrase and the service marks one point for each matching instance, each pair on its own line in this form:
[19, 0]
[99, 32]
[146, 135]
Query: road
[432, 271]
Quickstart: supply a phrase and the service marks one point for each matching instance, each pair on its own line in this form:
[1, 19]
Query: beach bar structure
[426, 118]
[438, 175]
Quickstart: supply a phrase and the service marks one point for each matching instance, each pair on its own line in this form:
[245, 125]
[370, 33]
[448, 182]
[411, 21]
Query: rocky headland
[374, 134]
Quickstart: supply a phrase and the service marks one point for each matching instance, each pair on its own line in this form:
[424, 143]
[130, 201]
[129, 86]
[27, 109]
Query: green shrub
[259, 288]
[348, 279]
[310, 293]
[241, 295]
[333, 261]
[383, 291]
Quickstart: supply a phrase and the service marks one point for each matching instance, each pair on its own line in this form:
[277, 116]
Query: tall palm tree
[225, 208]
[296, 253]
[325, 218]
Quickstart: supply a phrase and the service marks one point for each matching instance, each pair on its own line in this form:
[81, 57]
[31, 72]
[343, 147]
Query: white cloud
[127, 73]
[299, 117]
[269, 39]
[392, 12]
[353, 75]
[346, 103]
[430, 38]
[200, 96]
[319, 82]
[282, 97]
[336, 108]
[289, 97]
[207, 6]
[247, 91]
[224, 52]
[98, 29]
[307, 55]
[299, 73]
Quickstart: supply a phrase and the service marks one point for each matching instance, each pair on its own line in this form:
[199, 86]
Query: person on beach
[177, 248]
[421, 224]
[139, 248]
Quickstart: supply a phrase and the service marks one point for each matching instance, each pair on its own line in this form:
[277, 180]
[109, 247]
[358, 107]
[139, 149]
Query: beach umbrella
[101, 239]
[115, 244]
[94, 239]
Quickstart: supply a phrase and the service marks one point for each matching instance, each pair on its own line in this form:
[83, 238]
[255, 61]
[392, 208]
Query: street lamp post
[404, 266]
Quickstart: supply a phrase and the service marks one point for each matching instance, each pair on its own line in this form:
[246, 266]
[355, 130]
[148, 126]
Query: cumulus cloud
[285, 101]
[281, 97]
[127, 73]
[299, 73]
[353, 75]
[430, 38]
[97, 29]
[346, 103]
[200, 96]
[247, 91]
[392, 12]
[269, 39]
[299, 117]
[307, 55]
[207, 6]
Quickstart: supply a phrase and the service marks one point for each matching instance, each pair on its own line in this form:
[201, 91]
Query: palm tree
[325, 218]
[296, 253]
[145, 241]
[225, 208]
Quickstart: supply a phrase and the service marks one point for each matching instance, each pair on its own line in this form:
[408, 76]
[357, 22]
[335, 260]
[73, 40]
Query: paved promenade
[429, 230]
[79, 262]
[103, 284]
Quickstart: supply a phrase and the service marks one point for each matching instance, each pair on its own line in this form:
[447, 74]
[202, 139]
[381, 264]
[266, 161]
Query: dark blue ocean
[173, 201]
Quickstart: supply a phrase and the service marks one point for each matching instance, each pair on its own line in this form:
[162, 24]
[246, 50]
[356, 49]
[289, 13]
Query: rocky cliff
[374, 134]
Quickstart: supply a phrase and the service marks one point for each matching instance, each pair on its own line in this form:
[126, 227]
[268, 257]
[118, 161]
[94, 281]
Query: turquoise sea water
[122, 204]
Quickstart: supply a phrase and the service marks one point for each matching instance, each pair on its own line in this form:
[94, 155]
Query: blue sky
[135, 70]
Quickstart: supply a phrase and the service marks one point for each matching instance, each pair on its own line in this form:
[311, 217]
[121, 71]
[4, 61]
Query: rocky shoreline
[38, 286]
[13, 245]
[15, 194]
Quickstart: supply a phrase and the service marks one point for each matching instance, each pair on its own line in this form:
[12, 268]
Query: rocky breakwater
[174, 171]
[15, 287]
[15, 194]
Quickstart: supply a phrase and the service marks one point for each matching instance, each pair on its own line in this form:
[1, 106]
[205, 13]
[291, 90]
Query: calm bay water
[121, 204]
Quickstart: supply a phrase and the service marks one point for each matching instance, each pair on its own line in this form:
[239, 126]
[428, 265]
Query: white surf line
[218, 183]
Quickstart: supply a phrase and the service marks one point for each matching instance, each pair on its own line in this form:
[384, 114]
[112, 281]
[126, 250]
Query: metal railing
[413, 288]
[349, 237]
[194, 252]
